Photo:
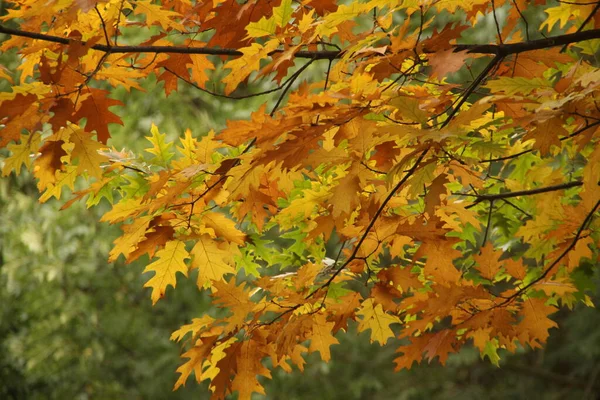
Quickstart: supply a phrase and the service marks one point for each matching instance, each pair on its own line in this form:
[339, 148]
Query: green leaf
[283, 13]
[160, 148]
[517, 85]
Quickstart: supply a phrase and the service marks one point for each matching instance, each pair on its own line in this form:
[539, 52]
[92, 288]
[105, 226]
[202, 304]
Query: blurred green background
[73, 326]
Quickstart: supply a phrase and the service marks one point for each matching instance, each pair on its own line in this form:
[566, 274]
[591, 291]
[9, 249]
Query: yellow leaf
[86, 151]
[264, 27]
[223, 228]
[160, 147]
[267, 26]
[211, 260]
[306, 204]
[21, 153]
[122, 75]
[196, 326]
[511, 86]
[343, 13]
[4, 74]
[408, 108]
[243, 66]
[171, 260]
[123, 210]
[187, 150]
[207, 147]
[561, 14]
[560, 286]
[283, 13]
[377, 320]
[322, 338]
[132, 234]
[62, 178]
[200, 63]
[155, 13]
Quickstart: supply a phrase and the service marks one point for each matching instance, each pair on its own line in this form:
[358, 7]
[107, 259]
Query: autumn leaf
[171, 260]
[378, 321]
[95, 109]
[321, 338]
[155, 14]
[86, 5]
[132, 234]
[160, 148]
[123, 210]
[87, 151]
[222, 227]
[488, 264]
[18, 110]
[211, 260]
[243, 66]
[49, 163]
[21, 153]
[447, 61]
[535, 322]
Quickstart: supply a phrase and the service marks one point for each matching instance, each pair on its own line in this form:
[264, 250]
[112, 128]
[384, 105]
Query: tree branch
[378, 213]
[507, 195]
[464, 96]
[516, 48]
[577, 132]
[497, 49]
[317, 55]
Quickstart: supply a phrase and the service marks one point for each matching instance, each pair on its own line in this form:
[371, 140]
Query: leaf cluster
[386, 193]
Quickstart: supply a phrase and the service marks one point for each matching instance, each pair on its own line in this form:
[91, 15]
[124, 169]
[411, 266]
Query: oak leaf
[171, 260]
[377, 320]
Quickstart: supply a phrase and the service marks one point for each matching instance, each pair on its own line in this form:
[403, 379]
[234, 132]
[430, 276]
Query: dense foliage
[406, 177]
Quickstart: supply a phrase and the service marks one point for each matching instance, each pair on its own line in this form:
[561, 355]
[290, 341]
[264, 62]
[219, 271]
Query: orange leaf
[95, 109]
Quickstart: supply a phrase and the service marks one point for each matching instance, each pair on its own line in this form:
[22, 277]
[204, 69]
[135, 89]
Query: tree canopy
[422, 170]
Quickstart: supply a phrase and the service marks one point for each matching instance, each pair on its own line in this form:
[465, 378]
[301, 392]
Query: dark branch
[317, 55]
[495, 61]
[497, 49]
[577, 132]
[289, 85]
[507, 195]
[516, 48]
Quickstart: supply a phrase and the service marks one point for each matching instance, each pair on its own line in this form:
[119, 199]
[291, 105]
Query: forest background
[74, 326]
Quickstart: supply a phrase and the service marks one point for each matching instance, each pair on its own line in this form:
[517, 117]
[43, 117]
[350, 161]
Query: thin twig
[289, 85]
[577, 132]
[391, 194]
[529, 192]
[513, 205]
[495, 61]
[116, 39]
[489, 222]
[103, 24]
[547, 270]
[584, 23]
[496, 22]
[523, 18]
